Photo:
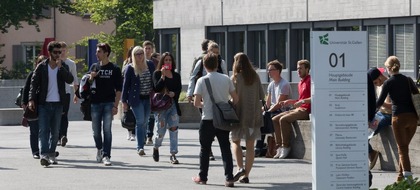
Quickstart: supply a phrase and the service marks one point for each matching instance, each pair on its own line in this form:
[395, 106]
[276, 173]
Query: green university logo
[323, 39]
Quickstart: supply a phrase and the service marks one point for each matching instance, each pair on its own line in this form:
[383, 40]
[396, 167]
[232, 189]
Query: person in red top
[283, 122]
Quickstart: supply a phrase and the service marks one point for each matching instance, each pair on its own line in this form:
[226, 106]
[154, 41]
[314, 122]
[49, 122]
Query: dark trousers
[34, 133]
[207, 132]
[64, 117]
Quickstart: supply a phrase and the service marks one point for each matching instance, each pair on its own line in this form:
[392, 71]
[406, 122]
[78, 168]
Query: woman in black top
[167, 81]
[404, 117]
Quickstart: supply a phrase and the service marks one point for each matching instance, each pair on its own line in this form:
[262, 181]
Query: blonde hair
[139, 65]
[393, 63]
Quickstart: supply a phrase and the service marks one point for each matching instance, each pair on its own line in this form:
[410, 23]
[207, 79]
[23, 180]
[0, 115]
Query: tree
[133, 18]
[14, 12]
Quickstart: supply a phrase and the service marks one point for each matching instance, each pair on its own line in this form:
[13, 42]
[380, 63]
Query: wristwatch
[302, 101]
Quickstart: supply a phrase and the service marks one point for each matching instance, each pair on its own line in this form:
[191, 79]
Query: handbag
[268, 127]
[224, 114]
[160, 102]
[29, 114]
[128, 120]
[415, 97]
[18, 100]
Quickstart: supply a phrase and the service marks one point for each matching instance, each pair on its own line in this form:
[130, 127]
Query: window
[236, 43]
[169, 41]
[377, 45]
[404, 46]
[26, 52]
[257, 52]
[303, 44]
[279, 45]
[219, 38]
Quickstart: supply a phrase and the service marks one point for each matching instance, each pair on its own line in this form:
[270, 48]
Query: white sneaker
[132, 137]
[285, 151]
[141, 152]
[149, 141]
[99, 156]
[53, 160]
[278, 152]
[129, 135]
[106, 161]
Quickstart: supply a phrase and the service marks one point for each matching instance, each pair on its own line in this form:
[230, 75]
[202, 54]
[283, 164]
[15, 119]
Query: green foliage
[183, 97]
[19, 71]
[134, 19]
[14, 12]
[413, 184]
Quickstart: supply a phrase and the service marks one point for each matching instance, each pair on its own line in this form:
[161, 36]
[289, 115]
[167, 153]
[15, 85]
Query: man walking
[47, 94]
[105, 100]
[62, 137]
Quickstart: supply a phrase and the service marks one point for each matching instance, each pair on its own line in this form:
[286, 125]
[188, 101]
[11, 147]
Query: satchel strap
[207, 80]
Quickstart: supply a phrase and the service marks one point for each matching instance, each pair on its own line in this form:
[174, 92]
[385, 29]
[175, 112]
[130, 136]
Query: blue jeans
[207, 133]
[384, 121]
[141, 113]
[102, 120]
[166, 120]
[49, 119]
[33, 136]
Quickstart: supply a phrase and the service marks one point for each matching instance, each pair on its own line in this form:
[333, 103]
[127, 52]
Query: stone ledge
[10, 116]
[384, 142]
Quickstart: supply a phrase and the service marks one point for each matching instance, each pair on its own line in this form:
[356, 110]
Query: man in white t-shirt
[62, 137]
[222, 87]
[278, 90]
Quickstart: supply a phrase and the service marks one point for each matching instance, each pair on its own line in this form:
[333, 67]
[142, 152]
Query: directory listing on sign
[339, 110]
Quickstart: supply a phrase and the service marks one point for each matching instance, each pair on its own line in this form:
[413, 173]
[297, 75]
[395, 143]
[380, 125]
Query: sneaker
[244, 180]
[156, 154]
[198, 180]
[99, 156]
[35, 156]
[132, 137]
[373, 157]
[45, 161]
[64, 141]
[106, 161]
[174, 160]
[53, 160]
[239, 174]
[229, 183]
[285, 151]
[278, 152]
[149, 141]
[211, 156]
[257, 152]
[141, 152]
[129, 135]
[56, 154]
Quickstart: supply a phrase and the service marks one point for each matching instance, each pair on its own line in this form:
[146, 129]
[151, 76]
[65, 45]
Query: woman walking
[137, 86]
[167, 81]
[404, 117]
[250, 91]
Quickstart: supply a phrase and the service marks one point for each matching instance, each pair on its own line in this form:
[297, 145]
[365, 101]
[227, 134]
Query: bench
[384, 142]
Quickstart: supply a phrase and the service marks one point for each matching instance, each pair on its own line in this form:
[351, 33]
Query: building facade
[23, 45]
[280, 29]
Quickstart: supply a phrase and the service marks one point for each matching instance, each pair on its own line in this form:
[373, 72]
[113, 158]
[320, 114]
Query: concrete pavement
[77, 167]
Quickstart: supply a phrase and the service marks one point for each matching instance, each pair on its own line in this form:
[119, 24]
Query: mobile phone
[167, 66]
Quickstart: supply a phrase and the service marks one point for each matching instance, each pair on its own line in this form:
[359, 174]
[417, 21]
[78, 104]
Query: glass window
[280, 44]
[31, 50]
[219, 38]
[377, 45]
[236, 43]
[404, 46]
[169, 41]
[303, 44]
[257, 48]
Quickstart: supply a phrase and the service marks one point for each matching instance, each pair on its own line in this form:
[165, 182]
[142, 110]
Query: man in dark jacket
[46, 94]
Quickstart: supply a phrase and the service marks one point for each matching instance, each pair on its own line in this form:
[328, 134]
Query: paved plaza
[77, 167]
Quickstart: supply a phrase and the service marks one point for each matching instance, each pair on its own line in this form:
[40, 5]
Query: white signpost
[339, 110]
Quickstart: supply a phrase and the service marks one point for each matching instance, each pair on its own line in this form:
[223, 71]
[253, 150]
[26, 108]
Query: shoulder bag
[415, 96]
[223, 113]
[268, 127]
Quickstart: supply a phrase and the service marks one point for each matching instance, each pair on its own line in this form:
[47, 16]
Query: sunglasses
[56, 52]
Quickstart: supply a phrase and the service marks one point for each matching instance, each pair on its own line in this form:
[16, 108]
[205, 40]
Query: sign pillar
[339, 110]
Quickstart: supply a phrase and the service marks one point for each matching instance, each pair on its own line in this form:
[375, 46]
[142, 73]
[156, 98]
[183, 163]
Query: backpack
[18, 100]
[200, 71]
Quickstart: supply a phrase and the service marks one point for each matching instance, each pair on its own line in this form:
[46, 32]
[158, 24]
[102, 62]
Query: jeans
[283, 125]
[404, 126]
[141, 113]
[151, 125]
[207, 132]
[384, 121]
[167, 120]
[102, 120]
[49, 118]
[64, 117]
[33, 136]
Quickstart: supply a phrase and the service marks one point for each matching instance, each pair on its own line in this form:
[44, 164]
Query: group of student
[245, 91]
[47, 90]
